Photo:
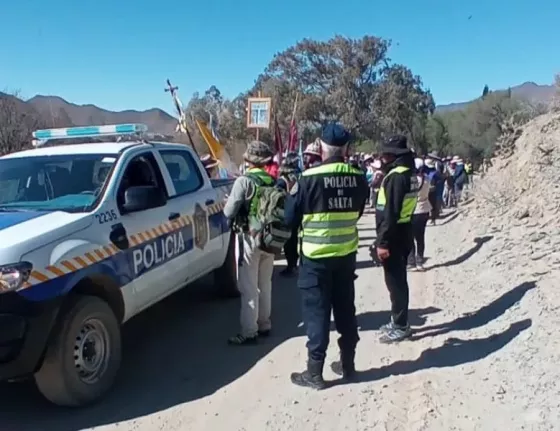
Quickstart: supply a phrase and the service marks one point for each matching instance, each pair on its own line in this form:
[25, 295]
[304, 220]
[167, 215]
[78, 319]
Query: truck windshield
[69, 183]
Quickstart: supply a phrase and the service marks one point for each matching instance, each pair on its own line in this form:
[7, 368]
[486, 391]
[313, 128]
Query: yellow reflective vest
[329, 225]
[410, 199]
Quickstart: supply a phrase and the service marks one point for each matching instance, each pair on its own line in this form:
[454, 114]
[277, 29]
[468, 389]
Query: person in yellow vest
[255, 274]
[327, 203]
[396, 202]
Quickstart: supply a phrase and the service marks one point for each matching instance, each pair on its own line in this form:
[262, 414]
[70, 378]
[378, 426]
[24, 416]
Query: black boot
[345, 367]
[312, 377]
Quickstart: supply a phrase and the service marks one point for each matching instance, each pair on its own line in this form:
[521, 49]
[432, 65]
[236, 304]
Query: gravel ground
[483, 356]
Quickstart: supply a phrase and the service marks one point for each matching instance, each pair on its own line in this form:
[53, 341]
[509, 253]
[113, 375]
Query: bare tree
[17, 122]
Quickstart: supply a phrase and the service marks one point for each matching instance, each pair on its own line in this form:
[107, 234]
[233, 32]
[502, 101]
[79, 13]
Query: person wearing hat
[255, 274]
[396, 202]
[436, 183]
[328, 202]
[210, 165]
[312, 154]
[420, 217]
[449, 189]
[376, 181]
[460, 179]
[288, 175]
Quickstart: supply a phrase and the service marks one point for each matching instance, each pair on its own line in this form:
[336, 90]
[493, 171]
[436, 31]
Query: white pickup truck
[90, 235]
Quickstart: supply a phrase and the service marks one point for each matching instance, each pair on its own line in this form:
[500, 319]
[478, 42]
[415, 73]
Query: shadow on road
[447, 218]
[481, 317]
[447, 214]
[371, 321]
[174, 352]
[478, 243]
[455, 351]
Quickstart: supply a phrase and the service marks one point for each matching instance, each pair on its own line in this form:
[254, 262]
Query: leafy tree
[485, 91]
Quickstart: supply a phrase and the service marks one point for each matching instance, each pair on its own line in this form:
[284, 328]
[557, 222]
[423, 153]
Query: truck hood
[25, 231]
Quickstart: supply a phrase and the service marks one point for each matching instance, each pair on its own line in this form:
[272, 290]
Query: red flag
[278, 144]
[293, 139]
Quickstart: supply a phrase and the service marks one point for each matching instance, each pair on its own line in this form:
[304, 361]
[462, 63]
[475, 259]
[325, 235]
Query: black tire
[226, 275]
[59, 378]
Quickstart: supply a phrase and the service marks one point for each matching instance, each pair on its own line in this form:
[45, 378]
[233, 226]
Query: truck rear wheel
[84, 354]
[226, 275]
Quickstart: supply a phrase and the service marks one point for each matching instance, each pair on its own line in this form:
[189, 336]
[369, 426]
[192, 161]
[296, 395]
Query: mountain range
[157, 120]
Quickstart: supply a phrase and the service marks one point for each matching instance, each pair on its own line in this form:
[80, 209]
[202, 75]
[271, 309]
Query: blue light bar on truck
[42, 136]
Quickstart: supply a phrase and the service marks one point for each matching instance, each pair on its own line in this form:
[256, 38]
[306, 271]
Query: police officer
[396, 202]
[329, 200]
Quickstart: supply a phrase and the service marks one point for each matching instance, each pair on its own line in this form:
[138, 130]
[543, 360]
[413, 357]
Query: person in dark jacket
[396, 202]
[289, 174]
[460, 179]
[437, 183]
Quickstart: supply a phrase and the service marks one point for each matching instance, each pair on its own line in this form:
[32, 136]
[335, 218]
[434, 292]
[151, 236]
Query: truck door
[194, 196]
[152, 245]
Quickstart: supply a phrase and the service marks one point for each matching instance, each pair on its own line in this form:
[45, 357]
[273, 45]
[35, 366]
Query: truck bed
[222, 183]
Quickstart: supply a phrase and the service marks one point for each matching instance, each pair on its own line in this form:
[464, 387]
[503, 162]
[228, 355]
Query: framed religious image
[258, 112]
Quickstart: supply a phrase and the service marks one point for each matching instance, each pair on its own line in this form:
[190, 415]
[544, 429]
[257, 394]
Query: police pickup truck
[90, 235]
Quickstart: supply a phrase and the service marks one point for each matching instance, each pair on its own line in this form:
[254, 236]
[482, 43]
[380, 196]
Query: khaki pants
[255, 285]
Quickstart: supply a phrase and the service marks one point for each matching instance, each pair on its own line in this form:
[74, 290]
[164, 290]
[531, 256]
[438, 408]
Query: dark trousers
[291, 250]
[435, 202]
[325, 285]
[419, 222]
[396, 280]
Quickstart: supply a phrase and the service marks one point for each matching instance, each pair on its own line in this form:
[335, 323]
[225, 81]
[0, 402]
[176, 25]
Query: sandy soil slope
[484, 355]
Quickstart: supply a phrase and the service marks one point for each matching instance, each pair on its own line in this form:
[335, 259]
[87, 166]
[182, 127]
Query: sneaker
[264, 333]
[419, 267]
[395, 335]
[241, 340]
[387, 327]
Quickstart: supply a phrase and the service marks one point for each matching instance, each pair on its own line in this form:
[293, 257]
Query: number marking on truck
[106, 216]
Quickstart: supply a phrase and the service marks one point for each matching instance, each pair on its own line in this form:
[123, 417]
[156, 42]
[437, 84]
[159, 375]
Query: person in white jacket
[420, 218]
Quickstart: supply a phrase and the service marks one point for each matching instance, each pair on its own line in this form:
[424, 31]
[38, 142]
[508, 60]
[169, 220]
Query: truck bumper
[25, 327]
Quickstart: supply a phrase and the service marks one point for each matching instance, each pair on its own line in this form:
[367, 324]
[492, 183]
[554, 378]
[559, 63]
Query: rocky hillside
[519, 198]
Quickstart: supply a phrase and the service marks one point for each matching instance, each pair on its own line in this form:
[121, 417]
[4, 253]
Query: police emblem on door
[200, 219]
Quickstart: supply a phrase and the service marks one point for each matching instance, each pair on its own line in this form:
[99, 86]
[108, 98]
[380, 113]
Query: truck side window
[142, 170]
[183, 170]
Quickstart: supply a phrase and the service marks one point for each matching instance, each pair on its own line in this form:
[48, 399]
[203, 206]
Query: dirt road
[483, 357]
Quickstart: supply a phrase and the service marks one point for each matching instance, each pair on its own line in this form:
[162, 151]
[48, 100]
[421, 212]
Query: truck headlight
[13, 276]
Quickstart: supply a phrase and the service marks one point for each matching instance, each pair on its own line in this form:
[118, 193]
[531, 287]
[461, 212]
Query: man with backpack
[255, 208]
[328, 202]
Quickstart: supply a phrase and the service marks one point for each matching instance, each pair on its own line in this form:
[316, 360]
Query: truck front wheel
[84, 354]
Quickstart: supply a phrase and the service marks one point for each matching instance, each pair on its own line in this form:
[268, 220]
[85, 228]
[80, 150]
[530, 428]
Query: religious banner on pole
[258, 112]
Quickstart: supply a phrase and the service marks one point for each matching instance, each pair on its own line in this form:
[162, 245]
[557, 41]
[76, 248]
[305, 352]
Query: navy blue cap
[336, 135]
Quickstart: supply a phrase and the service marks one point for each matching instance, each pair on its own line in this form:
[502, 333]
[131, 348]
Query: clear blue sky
[117, 53]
